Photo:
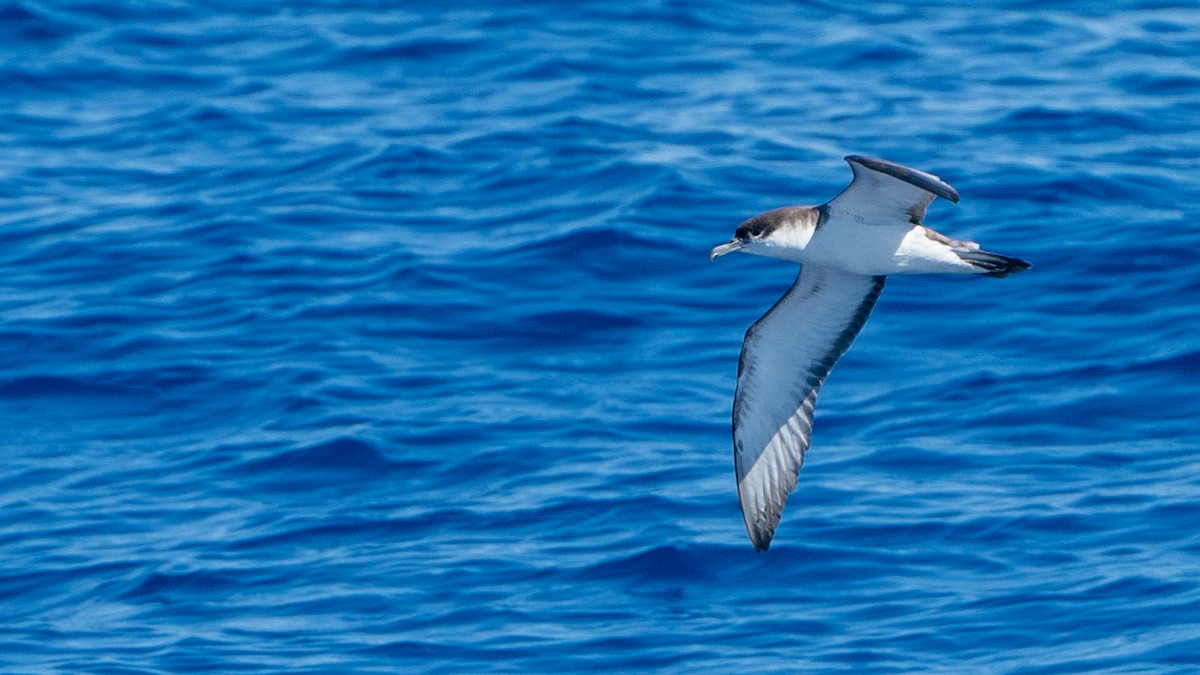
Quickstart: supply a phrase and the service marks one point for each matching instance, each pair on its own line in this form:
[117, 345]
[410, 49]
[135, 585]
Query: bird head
[779, 233]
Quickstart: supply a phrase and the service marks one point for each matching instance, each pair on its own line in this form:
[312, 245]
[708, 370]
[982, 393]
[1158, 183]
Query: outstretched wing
[785, 358]
[886, 193]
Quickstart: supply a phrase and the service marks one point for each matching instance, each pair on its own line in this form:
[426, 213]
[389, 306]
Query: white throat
[786, 243]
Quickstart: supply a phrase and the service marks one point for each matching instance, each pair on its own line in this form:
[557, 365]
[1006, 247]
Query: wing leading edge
[886, 193]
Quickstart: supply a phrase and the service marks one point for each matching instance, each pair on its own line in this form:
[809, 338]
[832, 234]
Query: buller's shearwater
[846, 248]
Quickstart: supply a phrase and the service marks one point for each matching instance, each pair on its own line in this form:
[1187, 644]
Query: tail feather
[993, 264]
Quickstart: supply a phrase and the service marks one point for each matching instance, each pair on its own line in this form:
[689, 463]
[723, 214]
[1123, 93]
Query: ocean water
[381, 337]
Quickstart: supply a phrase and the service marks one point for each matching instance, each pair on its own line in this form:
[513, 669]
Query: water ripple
[348, 338]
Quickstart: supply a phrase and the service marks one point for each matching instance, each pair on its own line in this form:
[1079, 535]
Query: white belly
[875, 249]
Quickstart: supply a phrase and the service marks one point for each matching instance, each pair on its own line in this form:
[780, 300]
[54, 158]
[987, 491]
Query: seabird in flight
[846, 248]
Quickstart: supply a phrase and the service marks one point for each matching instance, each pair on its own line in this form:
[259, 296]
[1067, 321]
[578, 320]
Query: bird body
[846, 248]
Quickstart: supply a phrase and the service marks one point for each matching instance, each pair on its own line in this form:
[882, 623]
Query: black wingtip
[923, 180]
[994, 265]
[761, 541]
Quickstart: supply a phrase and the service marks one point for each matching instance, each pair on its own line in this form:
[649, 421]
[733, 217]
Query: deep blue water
[342, 337]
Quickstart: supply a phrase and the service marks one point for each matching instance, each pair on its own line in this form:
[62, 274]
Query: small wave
[878, 56]
[325, 465]
[185, 585]
[548, 329]
[1098, 123]
[18, 22]
[667, 564]
[340, 455]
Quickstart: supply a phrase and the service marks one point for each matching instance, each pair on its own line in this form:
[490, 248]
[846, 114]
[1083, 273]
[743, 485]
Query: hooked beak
[725, 248]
